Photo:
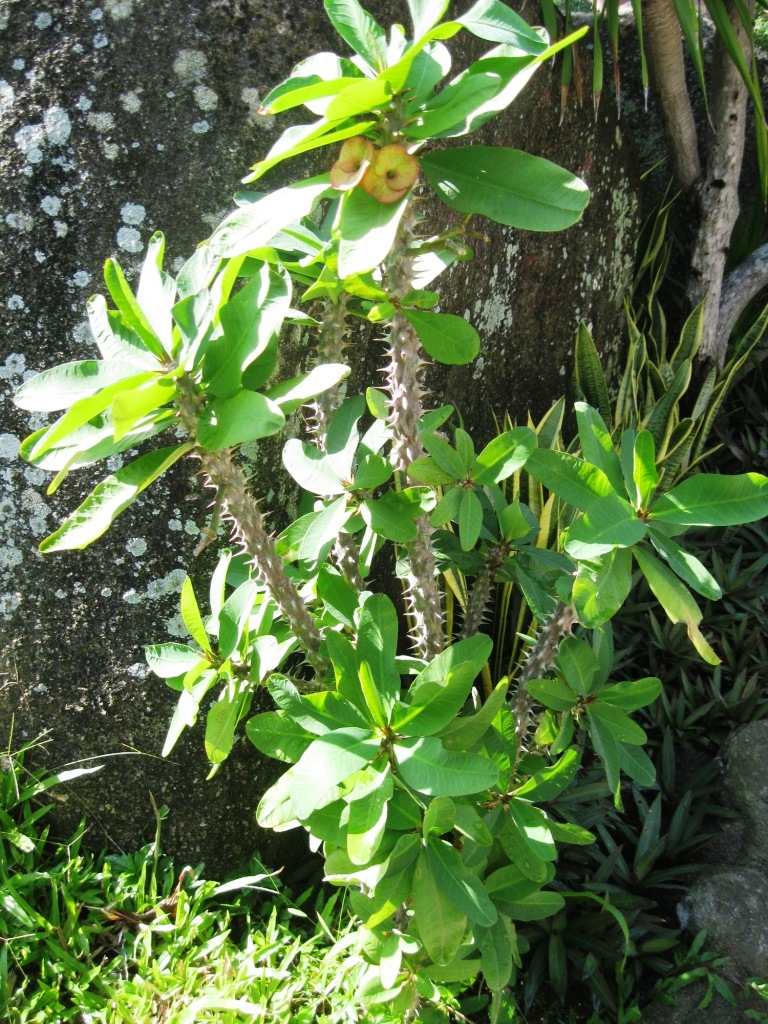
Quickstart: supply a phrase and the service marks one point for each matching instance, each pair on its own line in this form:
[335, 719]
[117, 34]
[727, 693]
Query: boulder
[127, 116]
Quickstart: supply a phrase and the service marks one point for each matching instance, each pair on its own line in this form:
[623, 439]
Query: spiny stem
[480, 594]
[404, 383]
[540, 659]
[242, 509]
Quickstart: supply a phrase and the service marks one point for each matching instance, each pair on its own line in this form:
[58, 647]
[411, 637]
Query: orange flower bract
[391, 173]
[354, 160]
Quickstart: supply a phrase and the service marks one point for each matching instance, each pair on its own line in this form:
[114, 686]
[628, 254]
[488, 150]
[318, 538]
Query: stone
[692, 1005]
[746, 759]
[730, 904]
[125, 118]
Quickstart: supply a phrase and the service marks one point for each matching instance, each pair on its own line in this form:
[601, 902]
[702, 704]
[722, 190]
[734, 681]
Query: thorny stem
[482, 588]
[539, 660]
[404, 382]
[242, 509]
[330, 347]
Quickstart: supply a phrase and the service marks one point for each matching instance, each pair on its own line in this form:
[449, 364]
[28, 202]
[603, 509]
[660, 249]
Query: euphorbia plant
[409, 766]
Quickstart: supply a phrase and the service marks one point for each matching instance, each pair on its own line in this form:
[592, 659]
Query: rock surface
[122, 117]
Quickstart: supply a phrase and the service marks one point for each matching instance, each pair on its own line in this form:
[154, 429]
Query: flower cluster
[385, 173]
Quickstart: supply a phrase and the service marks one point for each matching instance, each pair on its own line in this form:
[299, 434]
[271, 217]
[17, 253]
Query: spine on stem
[241, 508]
[406, 391]
[540, 659]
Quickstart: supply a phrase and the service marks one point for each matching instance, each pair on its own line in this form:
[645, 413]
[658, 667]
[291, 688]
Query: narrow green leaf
[644, 472]
[686, 566]
[470, 519]
[234, 616]
[62, 386]
[291, 394]
[434, 705]
[441, 925]
[190, 614]
[169, 660]
[156, 293]
[622, 728]
[631, 694]
[597, 444]
[221, 721]
[536, 907]
[128, 305]
[357, 28]
[368, 819]
[111, 497]
[131, 407]
[589, 373]
[457, 884]
[550, 782]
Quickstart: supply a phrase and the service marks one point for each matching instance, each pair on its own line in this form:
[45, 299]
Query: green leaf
[275, 809]
[644, 472]
[676, 600]
[368, 818]
[62, 386]
[447, 509]
[234, 616]
[311, 468]
[602, 586]
[298, 91]
[396, 884]
[578, 664]
[470, 519]
[447, 458]
[275, 734]
[574, 480]
[368, 231]
[463, 733]
[156, 293]
[169, 660]
[323, 532]
[533, 825]
[550, 782]
[249, 320]
[707, 499]
[429, 768]
[439, 817]
[504, 455]
[473, 649]
[637, 765]
[535, 907]
[425, 14]
[252, 226]
[441, 925]
[508, 186]
[111, 497]
[377, 646]
[608, 522]
[357, 28]
[457, 884]
[631, 694]
[301, 138]
[328, 761]
[607, 749]
[360, 97]
[337, 596]
[291, 394]
[190, 614]
[622, 728]
[134, 315]
[686, 566]
[434, 705]
[115, 339]
[130, 407]
[454, 105]
[222, 719]
[494, 21]
[392, 515]
[236, 419]
[552, 693]
[597, 444]
[446, 338]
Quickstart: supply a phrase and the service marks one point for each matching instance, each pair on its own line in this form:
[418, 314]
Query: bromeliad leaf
[111, 497]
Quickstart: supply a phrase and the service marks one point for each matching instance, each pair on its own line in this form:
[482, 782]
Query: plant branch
[665, 46]
[739, 288]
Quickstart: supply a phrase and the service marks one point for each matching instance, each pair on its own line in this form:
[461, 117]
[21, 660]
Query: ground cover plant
[427, 777]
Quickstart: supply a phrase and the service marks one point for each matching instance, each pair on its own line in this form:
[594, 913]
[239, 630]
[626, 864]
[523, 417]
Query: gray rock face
[126, 117]
[688, 1009]
[746, 775]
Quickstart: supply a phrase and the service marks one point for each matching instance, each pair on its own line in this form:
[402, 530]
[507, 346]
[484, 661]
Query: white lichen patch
[191, 528]
[169, 584]
[131, 597]
[110, 150]
[15, 302]
[96, 14]
[190, 65]
[20, 221]
[15, 365]
[9, 447]
[205, 98]
[106, 591]
[40, 256]
[81, 279]
[102, 121]
[100, 40]
[201, 127]
[43, 20]
[130, 102]
[133, 213]
[136, 546]
[119, 9]
[7, 96]
[30, 140]
[83, 103]
[57, 126]
[62, 228]
[19, 64]
[175, 626]
[51, 205]
[129, 240]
